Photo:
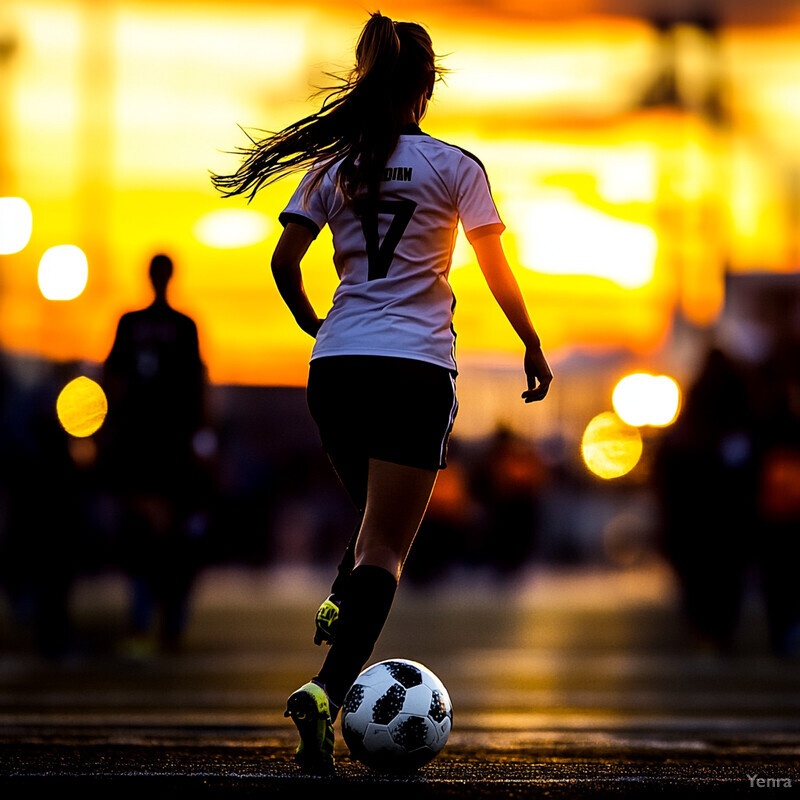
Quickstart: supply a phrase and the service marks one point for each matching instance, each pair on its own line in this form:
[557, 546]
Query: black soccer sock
[345, 568]
[367, 600]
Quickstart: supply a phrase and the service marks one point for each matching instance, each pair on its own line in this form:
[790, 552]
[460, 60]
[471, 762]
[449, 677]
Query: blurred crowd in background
[195, 476]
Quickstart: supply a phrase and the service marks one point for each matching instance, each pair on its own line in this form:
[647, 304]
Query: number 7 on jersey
[380, 254]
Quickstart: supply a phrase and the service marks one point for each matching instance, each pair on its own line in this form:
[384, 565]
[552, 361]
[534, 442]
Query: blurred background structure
[643, 155]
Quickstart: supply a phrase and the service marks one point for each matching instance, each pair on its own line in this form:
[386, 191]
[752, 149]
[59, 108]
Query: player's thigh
[397, 497]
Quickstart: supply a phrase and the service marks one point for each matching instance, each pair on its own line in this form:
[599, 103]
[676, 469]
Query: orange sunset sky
[632, 167]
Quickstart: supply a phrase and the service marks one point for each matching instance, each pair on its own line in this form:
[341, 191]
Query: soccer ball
[397, 716]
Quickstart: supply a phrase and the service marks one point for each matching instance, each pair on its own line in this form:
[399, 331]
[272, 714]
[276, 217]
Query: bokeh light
[619, 250]
[610, 447]
[63, 272]
[16, 225]
[643, 399]
[82, 407]
[228, 228]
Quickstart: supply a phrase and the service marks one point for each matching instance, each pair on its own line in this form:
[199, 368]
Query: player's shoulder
[324, 171]
[453, 153]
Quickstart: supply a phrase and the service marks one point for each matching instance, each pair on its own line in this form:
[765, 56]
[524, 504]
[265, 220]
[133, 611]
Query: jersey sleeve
[474, 202]
[308, 208]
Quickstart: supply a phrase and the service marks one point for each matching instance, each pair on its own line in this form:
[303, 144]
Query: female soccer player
[381, 383]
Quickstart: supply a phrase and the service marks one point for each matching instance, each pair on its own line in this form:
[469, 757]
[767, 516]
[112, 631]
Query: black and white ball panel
[397, 716]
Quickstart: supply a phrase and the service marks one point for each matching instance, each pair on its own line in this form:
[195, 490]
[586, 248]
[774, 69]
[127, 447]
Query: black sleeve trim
[287, 217]
[485, 230]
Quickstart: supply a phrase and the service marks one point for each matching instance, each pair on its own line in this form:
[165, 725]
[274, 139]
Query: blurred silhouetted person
[155, 379]
[707, 478]
[43, 544]
[509, 484]
[778, 544]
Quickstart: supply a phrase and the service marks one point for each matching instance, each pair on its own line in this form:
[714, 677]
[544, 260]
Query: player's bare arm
[292, 246]
[505, 289]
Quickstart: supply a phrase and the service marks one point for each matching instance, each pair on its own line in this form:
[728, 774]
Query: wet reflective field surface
[564, 684]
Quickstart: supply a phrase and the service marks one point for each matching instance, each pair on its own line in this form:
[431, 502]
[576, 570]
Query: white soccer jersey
[394, 298]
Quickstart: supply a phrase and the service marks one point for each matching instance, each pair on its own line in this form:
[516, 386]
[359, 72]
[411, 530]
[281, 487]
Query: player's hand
[538, 373]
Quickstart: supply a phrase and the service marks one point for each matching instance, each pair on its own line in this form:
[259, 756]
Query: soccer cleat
[309, 709]
[326, 619]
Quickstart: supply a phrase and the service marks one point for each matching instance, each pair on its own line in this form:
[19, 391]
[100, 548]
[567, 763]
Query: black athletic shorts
[393, 409]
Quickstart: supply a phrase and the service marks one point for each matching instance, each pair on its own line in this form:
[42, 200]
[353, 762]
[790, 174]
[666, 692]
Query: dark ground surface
[563, 685]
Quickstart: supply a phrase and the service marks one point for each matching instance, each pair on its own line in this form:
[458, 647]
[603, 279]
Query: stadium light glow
[16, 224]
[643, 399]
[63, 272]
[228, 228]
[559, 236]
[610, 447]
[82, 407]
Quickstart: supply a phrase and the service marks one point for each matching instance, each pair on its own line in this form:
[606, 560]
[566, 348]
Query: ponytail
[378, 48]
[359, 122]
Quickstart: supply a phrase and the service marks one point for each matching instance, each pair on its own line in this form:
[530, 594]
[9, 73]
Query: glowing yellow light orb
[16, 224]
[63, 272]
[232, 227]
[82, 407]
[610, 447]
[642, 399]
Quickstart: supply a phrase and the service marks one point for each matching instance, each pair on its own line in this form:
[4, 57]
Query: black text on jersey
[397, 173]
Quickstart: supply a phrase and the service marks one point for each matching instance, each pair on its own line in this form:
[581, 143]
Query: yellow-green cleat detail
[309, 709]
[326, 620]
